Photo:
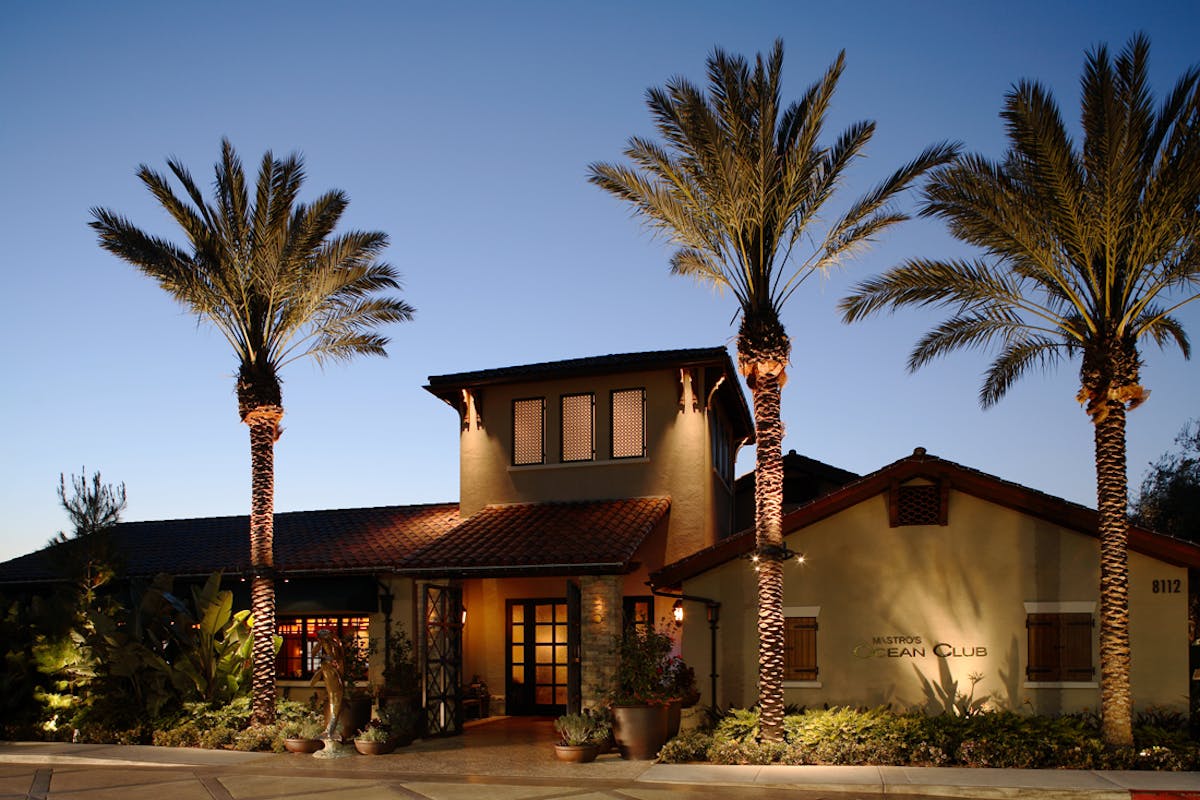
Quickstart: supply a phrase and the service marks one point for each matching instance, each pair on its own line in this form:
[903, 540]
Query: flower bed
[847, 736]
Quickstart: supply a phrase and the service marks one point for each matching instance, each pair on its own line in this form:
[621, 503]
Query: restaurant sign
[903, 646]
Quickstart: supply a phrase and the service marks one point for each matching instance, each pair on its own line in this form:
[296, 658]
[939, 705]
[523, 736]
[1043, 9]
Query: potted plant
[303, 735]
[601, 728]
[375, 739]
[401, 719]
[401, 690]
[638, 698]
[679, 683]
[576, 738]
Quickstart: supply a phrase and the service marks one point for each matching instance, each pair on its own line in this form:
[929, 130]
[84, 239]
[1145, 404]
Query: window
[1060, 647]
[722, 449]
[918, 504]
[629, 423]
[528, 426]
[800, 649]
[296, 659]
[638, 612]
[577, 413]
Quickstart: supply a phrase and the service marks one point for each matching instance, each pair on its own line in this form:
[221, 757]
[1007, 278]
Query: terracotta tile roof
[331, 541]
[960, 478]
[595, 536]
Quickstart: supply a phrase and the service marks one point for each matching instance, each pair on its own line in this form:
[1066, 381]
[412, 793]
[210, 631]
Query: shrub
[686, 747]
[729, 751]
[849, 736]
[739, 725]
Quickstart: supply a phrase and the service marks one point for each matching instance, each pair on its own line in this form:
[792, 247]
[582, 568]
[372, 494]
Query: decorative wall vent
[918, 504]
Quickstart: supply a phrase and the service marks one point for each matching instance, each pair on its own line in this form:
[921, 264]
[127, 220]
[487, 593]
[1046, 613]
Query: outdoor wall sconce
[464, 615]
[774, 552]
[677, 612]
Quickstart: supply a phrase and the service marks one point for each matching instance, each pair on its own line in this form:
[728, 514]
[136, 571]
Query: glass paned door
[538, 656]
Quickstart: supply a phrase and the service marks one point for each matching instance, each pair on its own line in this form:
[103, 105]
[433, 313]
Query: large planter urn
[640, 731]
[674, 717]
[576, 753]
[356, 713]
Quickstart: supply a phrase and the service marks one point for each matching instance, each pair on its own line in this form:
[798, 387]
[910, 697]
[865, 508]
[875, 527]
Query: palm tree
[270, 276]
[738, 183]
[1088, 251]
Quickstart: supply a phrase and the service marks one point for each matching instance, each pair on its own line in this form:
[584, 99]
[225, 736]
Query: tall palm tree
[271, 276]
[1088, 250]
[737, 184]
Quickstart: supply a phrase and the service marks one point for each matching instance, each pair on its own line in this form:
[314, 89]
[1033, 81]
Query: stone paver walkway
[512, 759]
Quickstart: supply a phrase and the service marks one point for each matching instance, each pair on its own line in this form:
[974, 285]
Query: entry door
[538, 656]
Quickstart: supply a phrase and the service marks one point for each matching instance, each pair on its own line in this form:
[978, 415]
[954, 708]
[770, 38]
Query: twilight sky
[463, 130]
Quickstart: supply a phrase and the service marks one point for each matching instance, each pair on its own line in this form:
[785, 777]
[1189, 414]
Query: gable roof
[331, 541]
[544, 538]
[960, 478]
[713, 360]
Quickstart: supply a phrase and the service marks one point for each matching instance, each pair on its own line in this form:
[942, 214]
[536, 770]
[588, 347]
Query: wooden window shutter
[800, 649]
[1043, 647]
[1060, 647]
[1076, 647]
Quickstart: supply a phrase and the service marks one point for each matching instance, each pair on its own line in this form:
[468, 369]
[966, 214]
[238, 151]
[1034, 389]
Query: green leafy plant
[576, 729]
[374, 731]
[642, 659]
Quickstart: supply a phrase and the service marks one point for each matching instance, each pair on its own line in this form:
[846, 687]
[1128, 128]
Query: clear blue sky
[463, 130]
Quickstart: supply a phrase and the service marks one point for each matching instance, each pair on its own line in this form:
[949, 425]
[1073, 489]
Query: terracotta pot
[640, 731]
[374, 748]
[674, 717]
[302, 745]
[576, 753]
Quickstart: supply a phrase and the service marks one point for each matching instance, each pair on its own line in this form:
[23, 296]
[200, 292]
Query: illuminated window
[629, 423]
[296, 658]
[800, 649]
[1060, 647]
[638, 612]
[528, 431]
[577, 415]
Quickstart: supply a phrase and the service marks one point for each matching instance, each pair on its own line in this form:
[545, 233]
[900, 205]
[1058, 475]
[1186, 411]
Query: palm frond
[1089, 247]
[737, 179]
[270, 274]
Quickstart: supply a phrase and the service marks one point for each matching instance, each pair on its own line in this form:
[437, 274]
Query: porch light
[464, 615]
[769, 552]
[677, 612]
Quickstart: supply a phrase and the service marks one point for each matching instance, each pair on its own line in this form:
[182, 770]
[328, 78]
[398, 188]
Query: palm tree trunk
[1112, 501]
[264, 427]
[768, 532]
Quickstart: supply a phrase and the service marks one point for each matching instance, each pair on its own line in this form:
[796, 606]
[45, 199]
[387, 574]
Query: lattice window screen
[528, 440]
[577, 427]
[629, 423]
[919, 505]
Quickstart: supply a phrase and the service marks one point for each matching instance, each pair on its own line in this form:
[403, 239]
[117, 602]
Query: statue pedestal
[334, 749]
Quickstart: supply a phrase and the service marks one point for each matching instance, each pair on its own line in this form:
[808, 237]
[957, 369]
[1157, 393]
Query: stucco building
[596, 491]
[926, 580]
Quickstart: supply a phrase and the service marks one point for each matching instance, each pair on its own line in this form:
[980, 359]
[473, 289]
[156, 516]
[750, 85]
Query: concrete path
[512, 761]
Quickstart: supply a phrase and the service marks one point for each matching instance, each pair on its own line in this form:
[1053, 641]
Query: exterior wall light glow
[677, 611]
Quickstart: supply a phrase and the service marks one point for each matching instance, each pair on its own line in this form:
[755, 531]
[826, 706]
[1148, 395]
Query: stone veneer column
[600, 609]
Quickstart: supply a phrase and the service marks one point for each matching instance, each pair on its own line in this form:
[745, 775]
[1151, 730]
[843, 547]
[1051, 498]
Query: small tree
[86, 556]
[1169, 498]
